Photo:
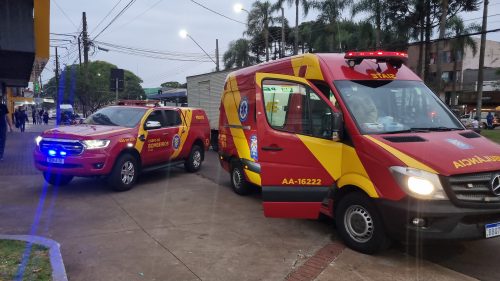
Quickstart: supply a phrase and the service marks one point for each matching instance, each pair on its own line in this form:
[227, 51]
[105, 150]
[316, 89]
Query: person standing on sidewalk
[33, 115]
[23, 118]
[4, 121]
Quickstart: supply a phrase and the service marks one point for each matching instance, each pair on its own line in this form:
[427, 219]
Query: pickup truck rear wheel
[360, 225]
[55, 179]
[193, 163]
[238, 181]
[124, 173]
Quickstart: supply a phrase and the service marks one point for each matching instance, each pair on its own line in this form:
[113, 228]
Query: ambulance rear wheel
[55, 179]
[238, 181]
[360, 225]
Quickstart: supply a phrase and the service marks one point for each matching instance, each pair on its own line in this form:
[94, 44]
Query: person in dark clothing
[23, 118]
[33, 115]
[489, 120]
[4, 122]
[46, 118]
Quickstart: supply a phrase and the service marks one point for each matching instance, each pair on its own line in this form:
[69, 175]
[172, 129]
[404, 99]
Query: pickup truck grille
[71, 147]
[474, 188]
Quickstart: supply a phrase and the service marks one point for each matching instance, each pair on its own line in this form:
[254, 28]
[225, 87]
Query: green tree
[456, 28]
[305, 8]
[238, 54]
[329, 13]
[259, 19]
[171, 84]
[375, 9]
[97, 92]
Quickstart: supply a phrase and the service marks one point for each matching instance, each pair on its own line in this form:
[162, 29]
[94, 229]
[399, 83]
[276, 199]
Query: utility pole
[57, 71]
[217, 55]
[480, 77]
[85, 40]
[282, 32]
[79, 51]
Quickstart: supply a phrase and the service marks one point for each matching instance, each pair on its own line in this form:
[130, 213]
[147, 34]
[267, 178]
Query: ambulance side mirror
[337, 126]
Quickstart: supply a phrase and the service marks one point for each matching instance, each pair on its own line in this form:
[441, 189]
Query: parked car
[119, 142]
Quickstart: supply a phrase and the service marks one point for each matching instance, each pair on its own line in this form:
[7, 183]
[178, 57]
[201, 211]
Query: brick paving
[18, 155]
[317, 263]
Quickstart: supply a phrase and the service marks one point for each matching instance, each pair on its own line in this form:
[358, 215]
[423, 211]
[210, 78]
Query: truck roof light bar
[396, 59]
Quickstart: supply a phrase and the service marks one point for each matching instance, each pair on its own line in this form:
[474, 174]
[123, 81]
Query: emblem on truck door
[243, 109]
[495, 185]
[176, 141]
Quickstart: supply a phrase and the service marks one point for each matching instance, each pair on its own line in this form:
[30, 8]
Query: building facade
[453, 65]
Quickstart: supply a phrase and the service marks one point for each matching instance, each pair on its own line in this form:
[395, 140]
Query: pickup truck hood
[86, 132]
[447, 153]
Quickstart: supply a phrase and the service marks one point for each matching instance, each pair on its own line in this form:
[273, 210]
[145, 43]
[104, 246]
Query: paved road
[179, 226]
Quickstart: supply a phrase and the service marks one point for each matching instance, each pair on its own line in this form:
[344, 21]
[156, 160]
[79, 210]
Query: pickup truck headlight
[418, 183]
[38, 140]
[95, 144]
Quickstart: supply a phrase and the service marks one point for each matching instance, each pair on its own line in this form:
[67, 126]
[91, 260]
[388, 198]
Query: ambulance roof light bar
[396, 59]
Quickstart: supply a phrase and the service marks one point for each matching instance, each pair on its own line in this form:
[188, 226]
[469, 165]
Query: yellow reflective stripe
[408, 160]
[231, 102]
[138, 143]
[253, 177]
[186, 126]
[341, 162]
[311, 61]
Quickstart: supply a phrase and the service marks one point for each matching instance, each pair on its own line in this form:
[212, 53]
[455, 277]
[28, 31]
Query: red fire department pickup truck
[120, 141]
[360, 138]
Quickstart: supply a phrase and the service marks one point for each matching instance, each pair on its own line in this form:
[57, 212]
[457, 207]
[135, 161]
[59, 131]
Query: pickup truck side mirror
[151, 125]
[337, 126]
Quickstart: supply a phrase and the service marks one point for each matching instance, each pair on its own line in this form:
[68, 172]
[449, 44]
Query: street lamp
[238, 7]
[183, 34]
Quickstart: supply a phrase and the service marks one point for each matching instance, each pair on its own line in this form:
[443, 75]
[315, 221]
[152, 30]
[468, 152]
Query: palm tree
[305, 7]
[259, 18]
[456, 28]
[375, 9]
[330, 11]
[238, 54]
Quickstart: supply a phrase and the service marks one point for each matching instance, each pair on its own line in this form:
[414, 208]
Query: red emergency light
[395, 59]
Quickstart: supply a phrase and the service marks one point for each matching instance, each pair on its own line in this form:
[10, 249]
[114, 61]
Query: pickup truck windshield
[116, 116]
[395, 106]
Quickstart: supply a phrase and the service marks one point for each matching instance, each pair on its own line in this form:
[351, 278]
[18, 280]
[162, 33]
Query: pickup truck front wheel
[55, 179]
[124, 173]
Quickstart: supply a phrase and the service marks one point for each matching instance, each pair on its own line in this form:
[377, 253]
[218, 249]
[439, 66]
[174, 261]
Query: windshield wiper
[411, 130]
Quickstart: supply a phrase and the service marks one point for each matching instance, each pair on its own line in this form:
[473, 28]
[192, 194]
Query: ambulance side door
[294, 134]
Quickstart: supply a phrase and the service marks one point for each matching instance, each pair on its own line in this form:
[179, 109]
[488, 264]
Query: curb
[56, 261]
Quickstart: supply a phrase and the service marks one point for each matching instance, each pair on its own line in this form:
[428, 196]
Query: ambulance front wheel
[238, 180]
[360, 225]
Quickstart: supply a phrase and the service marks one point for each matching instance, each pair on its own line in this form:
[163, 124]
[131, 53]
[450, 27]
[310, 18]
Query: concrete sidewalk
[179, 226]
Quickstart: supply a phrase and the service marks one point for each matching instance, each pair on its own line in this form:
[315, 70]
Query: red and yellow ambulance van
[360, 138]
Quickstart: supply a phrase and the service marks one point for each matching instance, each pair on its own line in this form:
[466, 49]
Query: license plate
[492, 229]
[55, 160]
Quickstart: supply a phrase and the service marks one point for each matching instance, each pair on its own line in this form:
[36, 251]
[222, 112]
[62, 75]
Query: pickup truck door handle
[164, 134]
[272, 148]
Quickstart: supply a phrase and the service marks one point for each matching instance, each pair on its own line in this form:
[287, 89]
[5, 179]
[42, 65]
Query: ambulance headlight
[95, 144]
[418, 183]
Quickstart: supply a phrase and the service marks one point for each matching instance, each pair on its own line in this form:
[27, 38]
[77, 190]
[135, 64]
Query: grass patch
[11, 254]
[493, 135]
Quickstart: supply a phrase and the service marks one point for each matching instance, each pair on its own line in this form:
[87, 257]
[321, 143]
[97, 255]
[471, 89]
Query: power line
[106, 16]
[64, 13]
[141, 14]
[215, 12]
[129, 4]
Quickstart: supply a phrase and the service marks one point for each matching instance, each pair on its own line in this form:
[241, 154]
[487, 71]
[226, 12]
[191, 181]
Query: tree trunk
[266, 37]
[378, 25]
[428, 29]
[296, 43]
[454, 84]
[421, 46]
[440, 45]
[480, 73]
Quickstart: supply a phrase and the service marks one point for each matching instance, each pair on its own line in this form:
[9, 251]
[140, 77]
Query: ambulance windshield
[395, 106]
